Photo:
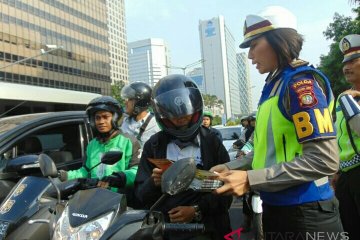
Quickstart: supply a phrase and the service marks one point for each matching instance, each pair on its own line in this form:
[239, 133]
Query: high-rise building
[148, 60]
[79, 26]
[117, 40]
[220, 68]
[244, 83]
[198, 76]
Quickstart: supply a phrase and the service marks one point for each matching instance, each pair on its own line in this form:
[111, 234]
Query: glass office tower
[27, 29]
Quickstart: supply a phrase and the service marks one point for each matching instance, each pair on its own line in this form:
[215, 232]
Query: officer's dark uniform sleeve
[145, 189]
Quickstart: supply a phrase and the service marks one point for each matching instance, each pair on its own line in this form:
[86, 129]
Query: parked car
[230, 134]
[61, 135]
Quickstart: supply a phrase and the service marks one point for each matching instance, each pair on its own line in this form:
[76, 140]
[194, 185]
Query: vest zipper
[284, 145]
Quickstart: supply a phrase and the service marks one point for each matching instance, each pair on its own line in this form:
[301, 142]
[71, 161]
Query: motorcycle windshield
[23, 198]
[87, 205]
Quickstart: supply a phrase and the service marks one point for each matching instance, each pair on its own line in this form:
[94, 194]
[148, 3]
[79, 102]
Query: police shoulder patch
[304, 90]
[298, 62]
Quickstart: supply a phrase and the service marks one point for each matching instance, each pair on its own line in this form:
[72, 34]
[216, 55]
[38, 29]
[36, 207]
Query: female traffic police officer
[348, 132]
[294, 147]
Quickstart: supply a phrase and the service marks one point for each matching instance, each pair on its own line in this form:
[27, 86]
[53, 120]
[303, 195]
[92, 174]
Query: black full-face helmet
[176, 96]
[140, 92]
[104, 103]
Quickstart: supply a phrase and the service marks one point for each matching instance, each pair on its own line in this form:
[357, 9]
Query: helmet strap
[104, 137]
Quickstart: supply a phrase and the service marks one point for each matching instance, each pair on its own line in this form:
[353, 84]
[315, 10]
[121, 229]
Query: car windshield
[8, 123]
[230, 133]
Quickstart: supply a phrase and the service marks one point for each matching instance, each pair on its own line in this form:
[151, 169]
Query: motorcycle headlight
[90, 231]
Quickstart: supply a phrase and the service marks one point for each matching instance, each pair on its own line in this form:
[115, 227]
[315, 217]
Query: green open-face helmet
[208, 114]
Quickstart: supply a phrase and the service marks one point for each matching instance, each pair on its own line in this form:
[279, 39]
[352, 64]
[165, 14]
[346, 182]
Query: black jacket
[214, 208]
[248, 133]
[217, 133]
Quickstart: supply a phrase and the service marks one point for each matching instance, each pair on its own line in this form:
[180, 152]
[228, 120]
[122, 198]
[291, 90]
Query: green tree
[216, 120]
[116, 91]
[331, 64]
[211, 101]
[233, 121]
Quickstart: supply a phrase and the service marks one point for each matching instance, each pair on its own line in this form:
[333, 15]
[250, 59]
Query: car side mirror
[23, 163]
[47, 166]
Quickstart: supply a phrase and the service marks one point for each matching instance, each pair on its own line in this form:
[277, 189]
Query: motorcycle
[151, 224]
[30, 197]
[101, 214]
[35, 197]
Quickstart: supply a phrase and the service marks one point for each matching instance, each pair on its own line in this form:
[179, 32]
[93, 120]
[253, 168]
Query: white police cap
[350, 47]
[271, 18]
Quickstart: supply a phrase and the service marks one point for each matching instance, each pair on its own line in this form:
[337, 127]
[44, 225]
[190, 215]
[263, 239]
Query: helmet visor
[128, 92]
[178, 103]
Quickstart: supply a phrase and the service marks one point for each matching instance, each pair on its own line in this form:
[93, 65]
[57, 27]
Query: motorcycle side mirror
[178, 177]
[47, 166]
[48, 169]
[111, 157]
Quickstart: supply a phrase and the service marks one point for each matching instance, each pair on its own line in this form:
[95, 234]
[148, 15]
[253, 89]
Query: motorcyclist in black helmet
[104, 113]
[139, 122]
[104, 104]
[178, 107]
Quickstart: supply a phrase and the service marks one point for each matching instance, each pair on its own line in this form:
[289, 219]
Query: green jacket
[95, 150]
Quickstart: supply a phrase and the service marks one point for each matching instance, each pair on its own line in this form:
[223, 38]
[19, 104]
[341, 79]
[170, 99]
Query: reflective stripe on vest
[347, 152]
[276, 142]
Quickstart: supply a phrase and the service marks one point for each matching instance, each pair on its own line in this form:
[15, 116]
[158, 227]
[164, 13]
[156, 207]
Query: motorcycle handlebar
[184, 227]
[87, 183]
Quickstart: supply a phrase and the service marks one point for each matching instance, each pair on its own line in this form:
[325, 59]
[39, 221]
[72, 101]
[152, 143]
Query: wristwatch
[197, 216]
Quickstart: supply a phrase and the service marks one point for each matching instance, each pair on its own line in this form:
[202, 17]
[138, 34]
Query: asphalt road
[237, 218]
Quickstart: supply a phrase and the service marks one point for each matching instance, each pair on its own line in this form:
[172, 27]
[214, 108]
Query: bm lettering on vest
[304, 127]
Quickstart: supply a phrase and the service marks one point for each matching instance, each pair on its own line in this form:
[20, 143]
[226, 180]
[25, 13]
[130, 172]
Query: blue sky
[176, 21]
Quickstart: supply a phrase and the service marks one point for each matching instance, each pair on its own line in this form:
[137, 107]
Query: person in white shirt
[139, 122]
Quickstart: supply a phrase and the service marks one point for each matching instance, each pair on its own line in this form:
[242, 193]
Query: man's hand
[221, 168]
[182, 214]
[103, 184]
[353, 93]
[63, 176]
[116, 179]
[334, 180]
[235, 182]
[156, 176]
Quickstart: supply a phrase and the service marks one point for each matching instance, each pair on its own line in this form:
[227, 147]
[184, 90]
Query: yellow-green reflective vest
[275, 141]
[347, 152]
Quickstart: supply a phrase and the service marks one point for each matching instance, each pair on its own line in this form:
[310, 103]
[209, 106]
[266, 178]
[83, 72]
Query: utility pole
[42, 52]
